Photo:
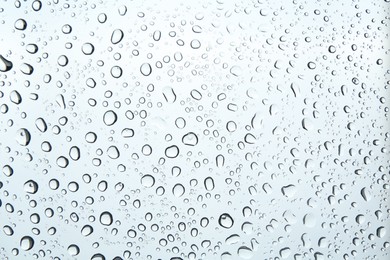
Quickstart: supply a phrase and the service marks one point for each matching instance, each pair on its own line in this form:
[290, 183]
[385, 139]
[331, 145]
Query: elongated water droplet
[41, 124]
[5, 65]
[117, 36]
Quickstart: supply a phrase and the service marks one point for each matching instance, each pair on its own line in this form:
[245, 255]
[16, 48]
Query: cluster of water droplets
[211, 130]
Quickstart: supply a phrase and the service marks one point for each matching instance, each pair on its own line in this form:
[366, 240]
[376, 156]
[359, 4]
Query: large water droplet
[147, 181]
[26, 69]
[172, 151]
[26, 243]
[88, 48]
[209, 183]
[41, 124]
[20, 24]
[8, 171]
[178, 190]
[23, 136]
[117, 36]
[245, 252]
[110, 117]
[225, 220]
[73, 250]
[31, 187]
[106, 218]
[190, 139]
[116, 72]
[113, 152]
[5, 65]
[146, 69]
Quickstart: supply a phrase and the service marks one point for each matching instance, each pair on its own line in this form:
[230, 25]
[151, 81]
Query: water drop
[66, 29]
[311, 65]
[26, 243]
[74, 153]
[117, 36]
[15, 97]
[236, 71]
[36, 5]
[31, 48]
[147, 181]
[209, 184]
[116, 72]
[113, 152]
[110, 118]
[285, 252]
[172, 151]
[289, 190]
[220, 161]
[190, 139]
[31, 187]
[26, 69]
[41, 124]
[5, 65]
[157, 35]
[20, 24]
[178, 190]
[195, 44]
[62, 60]
[23, 136]
[146, 69]
[225, 220]
[245, 252]
[127, 132]
[106, 218]
[169, 95]
[62, 162]
[73, 250]
[87, 48]
[86, 230]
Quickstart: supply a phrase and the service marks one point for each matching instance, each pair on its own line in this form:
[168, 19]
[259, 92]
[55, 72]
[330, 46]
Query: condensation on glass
[194, 129]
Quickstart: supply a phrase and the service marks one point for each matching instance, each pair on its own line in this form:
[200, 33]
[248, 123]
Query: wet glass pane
[209, 130]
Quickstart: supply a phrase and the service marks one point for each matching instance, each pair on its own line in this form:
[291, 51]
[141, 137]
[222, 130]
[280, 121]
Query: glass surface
[194, 130]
